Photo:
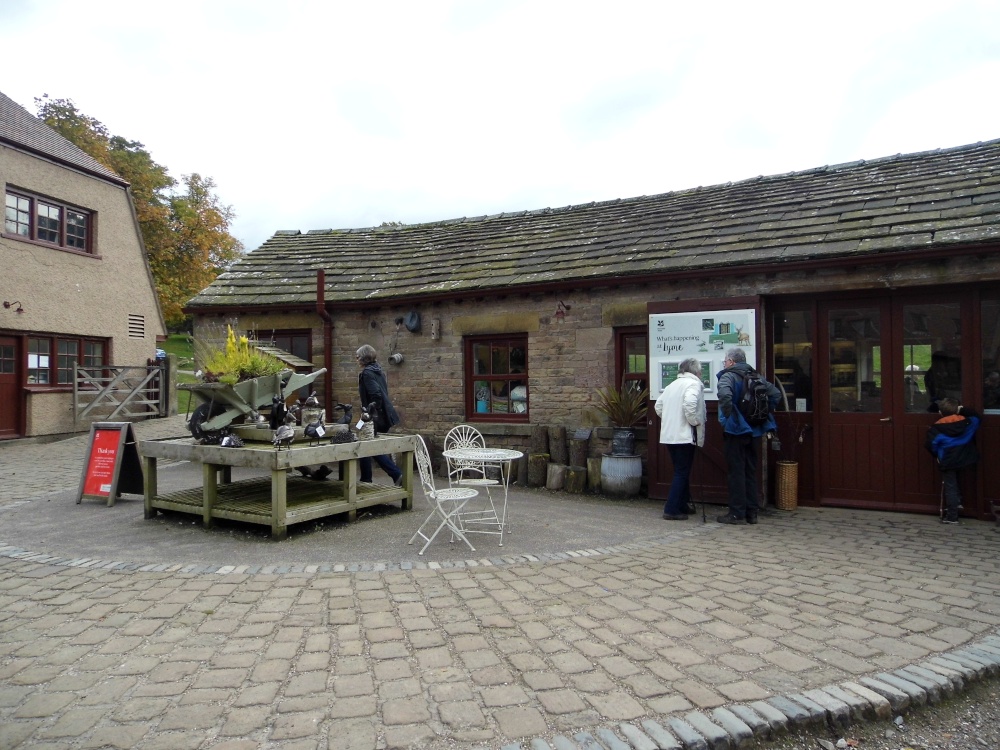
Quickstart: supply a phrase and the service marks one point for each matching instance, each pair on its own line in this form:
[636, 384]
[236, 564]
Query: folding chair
[462, 472]
[445, 504]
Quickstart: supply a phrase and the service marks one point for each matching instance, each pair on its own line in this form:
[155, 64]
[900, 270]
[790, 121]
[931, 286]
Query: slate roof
[926, 201]
[21, 129]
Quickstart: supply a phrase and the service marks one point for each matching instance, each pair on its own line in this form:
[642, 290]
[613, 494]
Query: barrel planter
[621, 475]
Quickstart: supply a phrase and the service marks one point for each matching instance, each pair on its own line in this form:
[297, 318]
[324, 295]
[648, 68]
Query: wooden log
[556, 476]
[557, 445]
[576, 480]
[539, 439]
[578, 452]
[594, 474]
[522, 471]
[538, 469]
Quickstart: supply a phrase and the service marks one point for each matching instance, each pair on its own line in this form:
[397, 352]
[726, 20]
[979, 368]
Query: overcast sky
[332, 114]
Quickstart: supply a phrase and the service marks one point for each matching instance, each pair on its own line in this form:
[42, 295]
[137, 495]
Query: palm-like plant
[625, 406]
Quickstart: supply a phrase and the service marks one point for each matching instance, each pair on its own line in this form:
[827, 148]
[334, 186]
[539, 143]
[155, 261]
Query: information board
[705, 335]
[111, 465]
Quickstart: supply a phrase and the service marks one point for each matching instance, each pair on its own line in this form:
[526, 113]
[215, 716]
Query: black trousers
[741, 462]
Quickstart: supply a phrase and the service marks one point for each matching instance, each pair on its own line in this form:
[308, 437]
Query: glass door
[856, 462]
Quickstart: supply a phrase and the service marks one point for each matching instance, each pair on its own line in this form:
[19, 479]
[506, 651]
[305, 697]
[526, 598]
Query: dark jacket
[951, 440]
[729, 390]
[373, 386]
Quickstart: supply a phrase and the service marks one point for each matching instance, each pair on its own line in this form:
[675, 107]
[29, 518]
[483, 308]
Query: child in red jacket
[951, 440]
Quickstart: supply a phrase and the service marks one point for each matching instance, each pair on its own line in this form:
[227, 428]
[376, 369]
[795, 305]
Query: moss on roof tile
[898, 203]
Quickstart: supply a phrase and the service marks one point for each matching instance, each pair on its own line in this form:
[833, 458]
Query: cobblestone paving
[478, 655]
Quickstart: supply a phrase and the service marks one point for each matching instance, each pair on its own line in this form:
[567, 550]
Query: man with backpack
[746, 406]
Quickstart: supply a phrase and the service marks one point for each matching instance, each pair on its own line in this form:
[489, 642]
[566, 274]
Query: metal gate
[120, 392]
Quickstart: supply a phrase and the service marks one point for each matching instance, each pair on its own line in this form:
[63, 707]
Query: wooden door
[928, 354]
[10, 389]
[887, 363]
[856, 429]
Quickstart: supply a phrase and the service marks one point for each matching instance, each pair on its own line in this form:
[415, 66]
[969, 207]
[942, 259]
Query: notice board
[111, 465]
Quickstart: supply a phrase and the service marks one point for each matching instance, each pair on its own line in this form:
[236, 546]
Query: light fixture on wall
[7, 305]
[561, 310]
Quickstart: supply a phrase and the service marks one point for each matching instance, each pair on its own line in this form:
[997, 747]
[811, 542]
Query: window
[497, 378]
[791, 332]
[630, 357]
[39, 361]
[298, 343]
[46, 369]
[42, 220]
[68, 352]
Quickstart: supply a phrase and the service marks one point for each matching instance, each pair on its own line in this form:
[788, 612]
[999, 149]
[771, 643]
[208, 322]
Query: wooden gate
[120, 392]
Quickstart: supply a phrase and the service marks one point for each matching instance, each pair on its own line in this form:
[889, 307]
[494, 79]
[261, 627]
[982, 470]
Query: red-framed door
[11, 401]
[884, 363]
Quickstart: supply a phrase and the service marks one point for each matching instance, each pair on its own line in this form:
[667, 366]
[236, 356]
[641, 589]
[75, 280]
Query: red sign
[101, 463]
[112, 465]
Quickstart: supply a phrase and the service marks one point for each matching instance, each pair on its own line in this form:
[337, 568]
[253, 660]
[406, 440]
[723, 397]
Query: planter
[787, 485]
[621, 475]
[622, 442]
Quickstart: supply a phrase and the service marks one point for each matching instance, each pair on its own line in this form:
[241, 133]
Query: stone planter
[621, 475]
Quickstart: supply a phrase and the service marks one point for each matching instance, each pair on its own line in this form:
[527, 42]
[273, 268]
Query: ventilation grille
[136, 326]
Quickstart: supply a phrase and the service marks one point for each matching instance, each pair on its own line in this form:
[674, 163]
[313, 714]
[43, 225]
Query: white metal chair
[462, 472]
[446, 504]
[486, 518]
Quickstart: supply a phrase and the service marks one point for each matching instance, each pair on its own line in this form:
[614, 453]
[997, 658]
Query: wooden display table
[285, 500]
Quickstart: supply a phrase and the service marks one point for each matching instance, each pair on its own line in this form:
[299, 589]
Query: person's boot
[751, 516]
[730, 518]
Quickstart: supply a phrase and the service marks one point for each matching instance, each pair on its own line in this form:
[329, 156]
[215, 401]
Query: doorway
[10, 389]
[888, 362]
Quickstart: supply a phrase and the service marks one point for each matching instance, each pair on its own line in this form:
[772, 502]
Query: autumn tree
[185, 230]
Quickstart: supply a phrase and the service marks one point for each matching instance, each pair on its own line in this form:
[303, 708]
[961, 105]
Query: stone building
[845, 283]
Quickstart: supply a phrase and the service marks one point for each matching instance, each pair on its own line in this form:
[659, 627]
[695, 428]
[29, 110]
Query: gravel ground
[970, 721]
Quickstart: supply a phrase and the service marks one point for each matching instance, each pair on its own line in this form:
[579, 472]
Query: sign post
[112, 463]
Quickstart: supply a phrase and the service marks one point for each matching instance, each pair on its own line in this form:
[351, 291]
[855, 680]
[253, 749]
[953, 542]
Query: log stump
[539, 439]
[555, 476]
[538, 469]
[594, 474]
[578, 450]
[557, 445]
[576, 480]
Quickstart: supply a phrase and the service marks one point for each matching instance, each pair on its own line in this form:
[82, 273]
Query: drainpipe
[327, 340]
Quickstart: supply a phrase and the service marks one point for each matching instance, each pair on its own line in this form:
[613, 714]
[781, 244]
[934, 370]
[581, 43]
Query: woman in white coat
[681, 408]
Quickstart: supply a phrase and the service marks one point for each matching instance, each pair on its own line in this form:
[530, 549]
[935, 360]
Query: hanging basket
[787, 495]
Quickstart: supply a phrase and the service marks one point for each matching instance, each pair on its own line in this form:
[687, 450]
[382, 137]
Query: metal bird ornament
[284, 435]
[315, 430]
[278, 411]
[347, 409]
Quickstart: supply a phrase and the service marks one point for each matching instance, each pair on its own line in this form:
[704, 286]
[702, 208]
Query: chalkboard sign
[112, 464]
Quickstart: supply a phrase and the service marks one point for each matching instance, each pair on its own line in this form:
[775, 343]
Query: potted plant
[625, 406]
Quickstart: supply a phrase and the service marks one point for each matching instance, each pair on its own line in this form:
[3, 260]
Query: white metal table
[488, 519]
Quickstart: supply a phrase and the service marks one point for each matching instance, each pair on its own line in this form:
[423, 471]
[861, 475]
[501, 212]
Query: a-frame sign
[112, 464]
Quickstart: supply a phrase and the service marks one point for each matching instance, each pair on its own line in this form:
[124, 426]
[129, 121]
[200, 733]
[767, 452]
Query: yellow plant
[238, 360]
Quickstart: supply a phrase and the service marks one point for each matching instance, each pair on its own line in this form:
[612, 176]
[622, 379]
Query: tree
[186, 233]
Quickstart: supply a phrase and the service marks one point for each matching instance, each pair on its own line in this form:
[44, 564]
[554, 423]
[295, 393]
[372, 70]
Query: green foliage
[624, 406]
[186, 232]
[237, 360]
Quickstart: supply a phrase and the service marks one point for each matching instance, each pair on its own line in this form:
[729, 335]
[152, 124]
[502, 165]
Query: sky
[328, 114]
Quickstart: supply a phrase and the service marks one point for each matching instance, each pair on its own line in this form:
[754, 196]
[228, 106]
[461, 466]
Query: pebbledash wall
[77, 294]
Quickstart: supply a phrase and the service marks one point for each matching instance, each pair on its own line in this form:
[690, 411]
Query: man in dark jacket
[374, 388]
[951, 440]
[740, 440]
